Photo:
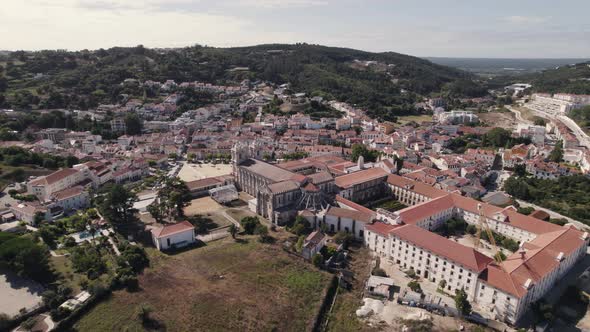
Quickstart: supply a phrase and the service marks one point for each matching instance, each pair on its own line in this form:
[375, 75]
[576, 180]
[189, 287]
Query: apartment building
[44, 186]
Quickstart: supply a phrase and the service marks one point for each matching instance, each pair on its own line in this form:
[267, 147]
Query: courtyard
[191, 172]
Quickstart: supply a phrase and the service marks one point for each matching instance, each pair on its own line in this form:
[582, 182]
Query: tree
[539, 121]
[300, 243]
[317, 260]
[497, 137]
[399, 164]
[171, 200]
[117, 206]
[461, 302]
[249, 224]
[415, 286]
[361, 150]
[29, 324]
[520, 170]
[4, 322]
[556, 154]
[38, 217]
[233, 230]
[442, 284]
[133, 124]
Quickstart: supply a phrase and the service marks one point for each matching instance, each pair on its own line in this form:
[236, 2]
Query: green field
[223, 286]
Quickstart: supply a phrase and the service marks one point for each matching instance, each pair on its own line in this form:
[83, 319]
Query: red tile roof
[168, 230]
[349, 180]
[352, 204]
[416, 213]
[352, 214]
[415, 186]
[540, 259]
[381, 228]
[467, 257]
[54, 177]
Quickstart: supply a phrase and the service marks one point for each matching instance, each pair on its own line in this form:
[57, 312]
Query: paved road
[583, 138]
[578, 132]
[518, 115]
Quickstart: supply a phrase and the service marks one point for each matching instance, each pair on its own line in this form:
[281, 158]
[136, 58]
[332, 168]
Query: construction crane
[483, 224]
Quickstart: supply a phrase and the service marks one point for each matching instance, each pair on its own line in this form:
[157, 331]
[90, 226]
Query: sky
[445, 28]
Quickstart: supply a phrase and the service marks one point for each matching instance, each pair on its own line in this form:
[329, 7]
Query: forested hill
[568, 79]
[390, 82]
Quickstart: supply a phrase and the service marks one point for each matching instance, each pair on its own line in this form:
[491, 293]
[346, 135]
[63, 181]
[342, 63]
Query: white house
[313, 244]
[174, 236]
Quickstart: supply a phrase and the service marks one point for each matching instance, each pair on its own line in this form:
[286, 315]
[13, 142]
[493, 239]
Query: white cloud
[519, 19]
[282, 3]
[69, 24]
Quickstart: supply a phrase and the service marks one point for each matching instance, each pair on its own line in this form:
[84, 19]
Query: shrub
[343, 238]
[377, 271]
[415, 286]
[317, 260]
[411, 273]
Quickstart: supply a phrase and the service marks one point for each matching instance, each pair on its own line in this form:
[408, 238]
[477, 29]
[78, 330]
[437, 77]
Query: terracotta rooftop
[168, 230]
[266, 170]
[415, 186]
[540, 258]
[349, 180]
[352, 205]
[352, 214]
[381, 228]
[197, 184]
[67, 193]
[416, 213]
[451, 250]
[284, 186]
[54, 177]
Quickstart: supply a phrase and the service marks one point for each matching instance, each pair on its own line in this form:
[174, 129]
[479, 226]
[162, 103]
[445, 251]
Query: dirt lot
[17, 293]
[499, 119]
[224, 286]
[202, 206]
[192, 172]
[416, 118]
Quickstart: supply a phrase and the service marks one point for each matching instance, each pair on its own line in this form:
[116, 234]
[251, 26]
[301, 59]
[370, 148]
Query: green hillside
[568, 79]
[84, 79]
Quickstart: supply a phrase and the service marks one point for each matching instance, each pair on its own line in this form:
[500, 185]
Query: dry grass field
[224, 286]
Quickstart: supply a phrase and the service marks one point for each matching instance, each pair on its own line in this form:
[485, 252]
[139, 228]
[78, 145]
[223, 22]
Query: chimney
[361, 162]
[560, 257]
[521, 250]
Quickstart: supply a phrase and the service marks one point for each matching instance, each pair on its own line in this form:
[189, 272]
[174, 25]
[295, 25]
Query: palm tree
[233, 230]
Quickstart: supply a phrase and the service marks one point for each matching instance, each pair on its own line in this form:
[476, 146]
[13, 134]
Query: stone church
[278, 192]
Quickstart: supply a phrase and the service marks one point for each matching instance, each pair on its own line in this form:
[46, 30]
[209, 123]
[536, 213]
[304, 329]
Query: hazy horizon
[427, 28]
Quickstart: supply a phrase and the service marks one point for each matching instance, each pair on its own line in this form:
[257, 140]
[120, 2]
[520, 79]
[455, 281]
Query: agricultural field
[225, 285]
